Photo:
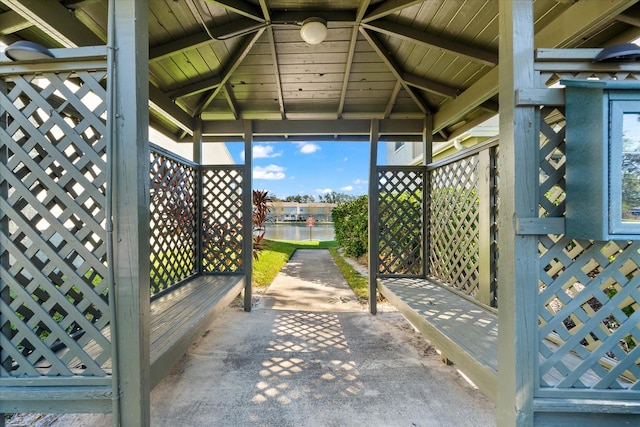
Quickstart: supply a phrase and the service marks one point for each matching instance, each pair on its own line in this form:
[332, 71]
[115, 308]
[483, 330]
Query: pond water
[299, 231]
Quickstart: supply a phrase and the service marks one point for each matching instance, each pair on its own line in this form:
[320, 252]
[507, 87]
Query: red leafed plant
[260, 211]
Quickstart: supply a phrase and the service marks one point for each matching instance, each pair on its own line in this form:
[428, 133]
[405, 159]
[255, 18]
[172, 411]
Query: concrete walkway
[309, 354]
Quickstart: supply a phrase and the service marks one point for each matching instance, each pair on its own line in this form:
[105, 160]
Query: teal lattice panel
[589, 294]
[454, 225]
[173, 221]
[53, 286]
[222, 220]
[400, 231]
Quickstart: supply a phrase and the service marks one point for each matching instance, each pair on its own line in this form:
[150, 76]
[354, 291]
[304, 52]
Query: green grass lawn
[278, 252]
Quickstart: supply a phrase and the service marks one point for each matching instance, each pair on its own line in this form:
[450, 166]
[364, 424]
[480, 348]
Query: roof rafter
[66, 29]
[430, 85]
[197, 87]
[389, 7]
[392, 99]
[231, 67]
[394, 29]
[568, 27]
[11, 22]
[231, 100]
[276, 70]
[362, 8]
[240, 7]
[176, 46]
[376, 44]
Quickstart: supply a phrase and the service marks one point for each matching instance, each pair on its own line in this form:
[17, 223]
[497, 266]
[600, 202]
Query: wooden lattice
[454, 225]
[173, 221]
[400, 208]
[223, 220]
[589, 294]
[53, 275]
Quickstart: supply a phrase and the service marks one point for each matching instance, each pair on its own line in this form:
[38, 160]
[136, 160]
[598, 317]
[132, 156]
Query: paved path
[310, 355]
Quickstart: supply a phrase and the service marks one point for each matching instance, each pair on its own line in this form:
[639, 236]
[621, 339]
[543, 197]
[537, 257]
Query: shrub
[351, 226]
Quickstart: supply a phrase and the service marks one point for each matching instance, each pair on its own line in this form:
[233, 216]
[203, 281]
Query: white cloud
[347, 188]
[265, 151]
[307, 147]
[271, 172]
[360, 181]
[323, 190]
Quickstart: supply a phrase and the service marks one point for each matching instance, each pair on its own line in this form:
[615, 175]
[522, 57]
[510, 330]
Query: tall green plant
[351, 224]
[260, 211]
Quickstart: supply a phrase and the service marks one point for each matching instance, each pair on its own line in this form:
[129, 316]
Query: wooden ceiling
[394, 60]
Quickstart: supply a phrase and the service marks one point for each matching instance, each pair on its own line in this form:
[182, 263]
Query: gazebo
[517, 258]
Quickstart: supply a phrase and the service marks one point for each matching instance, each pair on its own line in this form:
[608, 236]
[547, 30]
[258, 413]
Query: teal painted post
[373, 217]
[198, 192]
[4, 257]
[247, 213]
[427, 158]
[485, 230]
[518, 261]
[130, 137]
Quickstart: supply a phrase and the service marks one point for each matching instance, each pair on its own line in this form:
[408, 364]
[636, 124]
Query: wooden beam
[295, 128]
[347, 69]
[518, 188]
[276, 71]
[174, 47]
[566, 28]
[430, 85]
[231, 100]
[66, 29]
[265, 10]
[629, 18]
[392, 99]
[11, 22]
[247, 212]
[194, 88]
[388, 7]
[580, 19]
[166, 107]
[362, 9]
[239, 7]
[413, 35]
[231, 67]
[376, 44]
[292, 17]
[130, 163]
[373, 217]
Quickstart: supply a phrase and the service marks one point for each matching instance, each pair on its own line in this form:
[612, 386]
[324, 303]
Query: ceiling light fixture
[623, 52]
[24, 50]
[313, 30]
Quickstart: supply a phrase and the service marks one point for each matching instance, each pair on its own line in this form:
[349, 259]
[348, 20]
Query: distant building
[294, 211]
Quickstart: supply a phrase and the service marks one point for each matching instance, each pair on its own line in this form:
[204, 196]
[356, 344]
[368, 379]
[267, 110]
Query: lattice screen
[173, 221]
[589, 293]
[454, 225]
[400, 193]
[53, 285]
[223, 221]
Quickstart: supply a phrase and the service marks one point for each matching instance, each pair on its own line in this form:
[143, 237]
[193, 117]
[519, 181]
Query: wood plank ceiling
[387, 59]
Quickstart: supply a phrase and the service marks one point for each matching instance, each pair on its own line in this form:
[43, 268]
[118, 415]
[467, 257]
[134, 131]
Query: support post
[373, 217]
[198, 192]
[4, 256]
[517, 270]
[247, 213]
[427, 158]
[130, 137]
[486, 202]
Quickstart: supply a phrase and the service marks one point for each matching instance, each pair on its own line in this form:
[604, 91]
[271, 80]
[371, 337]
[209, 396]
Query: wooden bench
[464, 332]
[183, 315]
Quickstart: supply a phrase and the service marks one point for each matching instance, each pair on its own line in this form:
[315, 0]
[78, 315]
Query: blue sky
[313, 168]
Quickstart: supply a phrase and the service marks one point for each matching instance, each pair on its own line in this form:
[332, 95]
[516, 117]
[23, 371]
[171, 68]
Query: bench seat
[181, 316]
[464, 332]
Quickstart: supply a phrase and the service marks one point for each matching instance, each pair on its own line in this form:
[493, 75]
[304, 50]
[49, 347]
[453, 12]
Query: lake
[299, 231]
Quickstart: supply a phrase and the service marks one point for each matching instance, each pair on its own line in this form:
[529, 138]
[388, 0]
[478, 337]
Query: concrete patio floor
[309, 354]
